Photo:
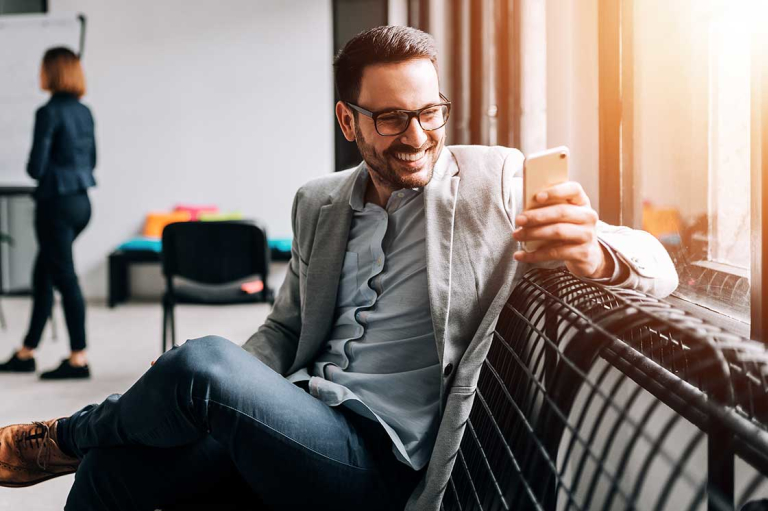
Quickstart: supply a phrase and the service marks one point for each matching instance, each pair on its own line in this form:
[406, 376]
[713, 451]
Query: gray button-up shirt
[381, 358]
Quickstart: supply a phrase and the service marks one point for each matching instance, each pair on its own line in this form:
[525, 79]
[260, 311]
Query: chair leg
[165, 327]
[171, 315]
[2, 317]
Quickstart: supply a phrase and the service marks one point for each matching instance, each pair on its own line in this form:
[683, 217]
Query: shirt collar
[357, 199]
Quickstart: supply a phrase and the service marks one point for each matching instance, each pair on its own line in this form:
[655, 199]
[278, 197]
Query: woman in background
[62, 160]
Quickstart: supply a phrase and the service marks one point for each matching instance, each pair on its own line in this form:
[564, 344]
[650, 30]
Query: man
[353, 393]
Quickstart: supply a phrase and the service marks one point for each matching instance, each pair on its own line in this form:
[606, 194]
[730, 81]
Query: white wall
[229, 103]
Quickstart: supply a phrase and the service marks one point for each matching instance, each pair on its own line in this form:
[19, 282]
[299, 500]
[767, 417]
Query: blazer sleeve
[41, 143]
[642, 261]
[275, 343]
[651, 270]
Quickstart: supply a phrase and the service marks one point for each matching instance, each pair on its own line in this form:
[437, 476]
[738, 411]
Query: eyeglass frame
[411, 115]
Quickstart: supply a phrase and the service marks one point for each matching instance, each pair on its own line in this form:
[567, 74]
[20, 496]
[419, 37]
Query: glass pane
[691, 142]
[433, 118]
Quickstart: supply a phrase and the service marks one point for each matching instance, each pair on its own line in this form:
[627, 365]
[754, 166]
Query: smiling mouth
[410, 157]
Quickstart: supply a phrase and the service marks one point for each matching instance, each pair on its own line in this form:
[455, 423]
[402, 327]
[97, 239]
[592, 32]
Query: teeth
[410, 156]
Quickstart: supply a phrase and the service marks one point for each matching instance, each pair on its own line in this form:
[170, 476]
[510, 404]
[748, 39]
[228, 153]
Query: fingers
[570, 192]
[559, 252]
[560, 232]
[557, 213]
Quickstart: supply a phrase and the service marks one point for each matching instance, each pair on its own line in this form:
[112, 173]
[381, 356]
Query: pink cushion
[195, 211]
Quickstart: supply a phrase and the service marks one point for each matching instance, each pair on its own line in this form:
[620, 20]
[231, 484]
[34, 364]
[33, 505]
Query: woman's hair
[63, 72]
[380, 45]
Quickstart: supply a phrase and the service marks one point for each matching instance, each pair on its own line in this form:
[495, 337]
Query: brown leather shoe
[30, 454]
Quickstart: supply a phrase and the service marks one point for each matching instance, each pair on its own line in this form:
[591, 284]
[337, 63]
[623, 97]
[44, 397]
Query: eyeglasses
[394, 122]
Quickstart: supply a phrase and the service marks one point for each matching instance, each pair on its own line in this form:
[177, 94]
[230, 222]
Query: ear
[346, 121]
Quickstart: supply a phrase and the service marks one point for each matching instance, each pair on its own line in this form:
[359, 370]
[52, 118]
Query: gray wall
[202, 102]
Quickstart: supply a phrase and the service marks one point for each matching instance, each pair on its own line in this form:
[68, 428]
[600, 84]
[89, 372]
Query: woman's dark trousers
[58, 222]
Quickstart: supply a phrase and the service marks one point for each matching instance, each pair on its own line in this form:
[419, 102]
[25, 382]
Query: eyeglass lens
[394, 123]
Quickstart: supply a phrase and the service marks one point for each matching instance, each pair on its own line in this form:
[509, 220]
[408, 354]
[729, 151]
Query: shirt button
[448, 370]
[378, 261]
[400, 194]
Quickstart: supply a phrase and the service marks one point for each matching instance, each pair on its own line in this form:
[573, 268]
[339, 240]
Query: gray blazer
[470, 273]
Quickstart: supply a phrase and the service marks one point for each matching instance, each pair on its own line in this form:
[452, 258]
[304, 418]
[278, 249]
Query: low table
[119, 262]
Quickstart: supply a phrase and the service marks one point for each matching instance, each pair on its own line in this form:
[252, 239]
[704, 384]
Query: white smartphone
[541, 171]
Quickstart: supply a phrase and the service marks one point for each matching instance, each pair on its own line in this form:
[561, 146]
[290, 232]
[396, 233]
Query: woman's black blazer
[63, 152]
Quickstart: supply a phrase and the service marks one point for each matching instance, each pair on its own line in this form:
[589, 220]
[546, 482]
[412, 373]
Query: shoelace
[38, 438]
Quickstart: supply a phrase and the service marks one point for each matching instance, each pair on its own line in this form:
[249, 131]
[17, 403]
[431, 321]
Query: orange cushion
[661, 221]
[156, 222]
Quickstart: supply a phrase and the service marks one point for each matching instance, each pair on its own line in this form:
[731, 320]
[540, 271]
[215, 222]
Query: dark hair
[380, 45]
[63, 72]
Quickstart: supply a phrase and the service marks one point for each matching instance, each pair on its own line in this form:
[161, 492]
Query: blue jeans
[207, 412]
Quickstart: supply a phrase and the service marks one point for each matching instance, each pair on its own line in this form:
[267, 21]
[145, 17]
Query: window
[677, 149]
[680, 133]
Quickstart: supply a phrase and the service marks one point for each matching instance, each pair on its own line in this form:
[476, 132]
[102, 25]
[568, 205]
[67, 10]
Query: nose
[414, 136]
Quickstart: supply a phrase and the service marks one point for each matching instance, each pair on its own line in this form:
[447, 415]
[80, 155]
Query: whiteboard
[24, 38]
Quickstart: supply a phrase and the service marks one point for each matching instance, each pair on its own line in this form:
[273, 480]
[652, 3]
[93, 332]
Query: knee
[208, 356]
[207, 344]
[211, 348]
[64, 279]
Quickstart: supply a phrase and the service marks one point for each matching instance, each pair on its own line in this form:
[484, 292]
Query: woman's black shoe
[67, 371]
[17, 365]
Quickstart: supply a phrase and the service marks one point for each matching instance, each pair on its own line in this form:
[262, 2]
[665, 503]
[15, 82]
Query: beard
[381, 164]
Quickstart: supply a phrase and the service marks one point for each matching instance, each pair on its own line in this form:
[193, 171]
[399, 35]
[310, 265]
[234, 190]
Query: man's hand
[566, 222]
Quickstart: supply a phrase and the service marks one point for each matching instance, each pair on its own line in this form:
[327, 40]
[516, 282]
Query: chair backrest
[598, 399]
[214, 252]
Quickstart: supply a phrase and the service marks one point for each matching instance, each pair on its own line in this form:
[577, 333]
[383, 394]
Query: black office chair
[207, 262]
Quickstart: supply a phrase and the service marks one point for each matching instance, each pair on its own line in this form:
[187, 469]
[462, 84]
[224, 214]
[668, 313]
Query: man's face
[406, 160]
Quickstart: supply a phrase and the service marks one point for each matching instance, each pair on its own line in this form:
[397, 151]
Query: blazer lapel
[440, 208]
[324, 271]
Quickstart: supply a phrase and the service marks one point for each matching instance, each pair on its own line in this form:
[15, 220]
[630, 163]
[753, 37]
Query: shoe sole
[37, 481]
[57, 378]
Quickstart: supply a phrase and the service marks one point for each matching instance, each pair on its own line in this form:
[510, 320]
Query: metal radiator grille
[592, 398]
